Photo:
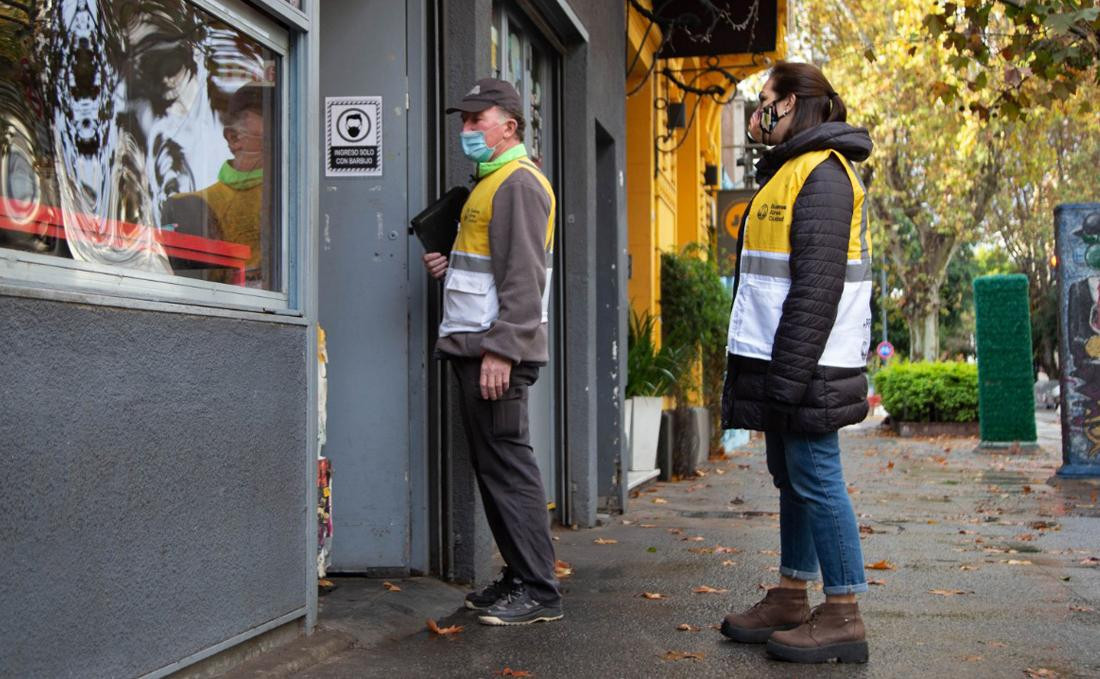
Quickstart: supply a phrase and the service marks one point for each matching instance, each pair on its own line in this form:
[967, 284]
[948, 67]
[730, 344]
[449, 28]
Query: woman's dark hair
[816, 101]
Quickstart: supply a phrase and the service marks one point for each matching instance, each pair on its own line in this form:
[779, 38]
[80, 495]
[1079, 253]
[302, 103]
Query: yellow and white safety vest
[470, 302]
[764, 277]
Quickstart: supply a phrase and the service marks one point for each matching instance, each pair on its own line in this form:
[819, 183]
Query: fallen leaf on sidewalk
[1090, 561]
[972, 658]
[967, 532]
[1026, 489]
[1044, 525]
[768, 552]
[684, 627]
[766, 586]
[699, 473]
[647, 525]
[875, 581]
[719, 549]
[1018, 562]
[697, 486]
[390, 587]
[967, 567]
[883, 565]
[660, 501]
[694, 538]
[948, 592]
[866, 529]
[705, 589]
[1036, 673]
[675, 531]
[562, 569]
[653, 595]
[1025, 537]
[509, 672]
[729, 562]
[719, 471]
[605, 541]
[682, 655]
[434, 628]
[852, 490]
[627, 522]
[1081, 609]
[737, 501]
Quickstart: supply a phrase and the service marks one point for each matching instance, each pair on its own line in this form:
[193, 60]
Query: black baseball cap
[488, 92]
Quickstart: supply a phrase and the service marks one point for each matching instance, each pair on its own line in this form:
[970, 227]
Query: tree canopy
[1009, 56]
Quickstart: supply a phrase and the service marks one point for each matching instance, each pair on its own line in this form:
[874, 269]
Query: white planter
[643, 426]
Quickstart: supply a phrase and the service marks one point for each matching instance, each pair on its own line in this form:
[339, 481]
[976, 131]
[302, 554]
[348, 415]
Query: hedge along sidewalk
[930, 399]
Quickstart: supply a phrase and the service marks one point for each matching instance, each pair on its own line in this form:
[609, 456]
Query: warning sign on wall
[353, 136]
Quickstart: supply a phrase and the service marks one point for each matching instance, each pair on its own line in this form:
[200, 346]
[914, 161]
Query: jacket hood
[854, 143]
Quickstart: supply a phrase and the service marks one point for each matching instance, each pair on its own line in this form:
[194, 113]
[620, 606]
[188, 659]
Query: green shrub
[695, 308]
[649, 371]
[929, 392]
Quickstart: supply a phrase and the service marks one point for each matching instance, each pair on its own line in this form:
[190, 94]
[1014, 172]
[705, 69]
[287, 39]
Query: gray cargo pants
[508, 475]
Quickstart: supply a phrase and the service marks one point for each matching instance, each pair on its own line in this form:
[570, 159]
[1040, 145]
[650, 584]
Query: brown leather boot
[781, 609]
[833, 631]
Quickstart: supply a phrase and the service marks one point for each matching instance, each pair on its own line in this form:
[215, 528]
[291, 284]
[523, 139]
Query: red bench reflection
[46, 220]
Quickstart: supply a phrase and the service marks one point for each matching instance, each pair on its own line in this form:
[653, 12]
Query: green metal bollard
[1006, 381]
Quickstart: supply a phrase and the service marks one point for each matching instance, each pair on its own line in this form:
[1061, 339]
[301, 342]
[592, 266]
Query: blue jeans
[816, 521]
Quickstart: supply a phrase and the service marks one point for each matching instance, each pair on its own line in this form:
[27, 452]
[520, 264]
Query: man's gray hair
[521, 122]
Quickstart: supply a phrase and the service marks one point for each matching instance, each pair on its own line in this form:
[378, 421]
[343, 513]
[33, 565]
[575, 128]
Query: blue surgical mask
[474, 146]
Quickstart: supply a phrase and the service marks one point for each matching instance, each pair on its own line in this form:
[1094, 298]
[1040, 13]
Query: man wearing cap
[493, 332]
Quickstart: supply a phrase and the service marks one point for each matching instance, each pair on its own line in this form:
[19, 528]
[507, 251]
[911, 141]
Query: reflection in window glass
[140, 135]
[515, 59]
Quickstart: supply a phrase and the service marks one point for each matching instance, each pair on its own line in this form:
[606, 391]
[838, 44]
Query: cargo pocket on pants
[510, 415]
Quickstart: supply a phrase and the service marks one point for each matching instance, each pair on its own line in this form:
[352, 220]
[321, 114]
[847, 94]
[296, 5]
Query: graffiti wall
[1078, 233]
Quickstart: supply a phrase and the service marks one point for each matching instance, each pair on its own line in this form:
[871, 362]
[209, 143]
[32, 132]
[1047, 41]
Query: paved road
[1019, 551]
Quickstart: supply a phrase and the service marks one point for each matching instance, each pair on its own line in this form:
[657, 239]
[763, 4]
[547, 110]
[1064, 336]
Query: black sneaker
[481, 601]
[518, 608]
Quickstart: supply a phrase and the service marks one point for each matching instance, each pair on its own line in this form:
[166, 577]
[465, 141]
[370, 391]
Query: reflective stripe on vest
[470, 302]
[764, 277]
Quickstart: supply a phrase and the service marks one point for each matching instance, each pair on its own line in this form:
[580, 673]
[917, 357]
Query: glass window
[143, 137]
[526, 64]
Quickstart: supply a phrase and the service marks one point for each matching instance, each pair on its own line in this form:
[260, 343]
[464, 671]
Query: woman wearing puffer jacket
[798, 339]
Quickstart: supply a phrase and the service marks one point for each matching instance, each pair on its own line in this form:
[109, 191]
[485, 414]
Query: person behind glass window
[231, 209]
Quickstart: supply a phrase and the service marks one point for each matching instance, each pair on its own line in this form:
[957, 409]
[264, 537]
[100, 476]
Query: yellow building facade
[670, 195]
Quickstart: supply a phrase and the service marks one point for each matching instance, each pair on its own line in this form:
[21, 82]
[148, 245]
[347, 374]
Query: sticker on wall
[353, 136]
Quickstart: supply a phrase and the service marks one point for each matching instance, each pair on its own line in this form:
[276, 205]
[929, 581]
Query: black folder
[437, 225]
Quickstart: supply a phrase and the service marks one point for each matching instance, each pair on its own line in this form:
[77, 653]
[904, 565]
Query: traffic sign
[884, 350]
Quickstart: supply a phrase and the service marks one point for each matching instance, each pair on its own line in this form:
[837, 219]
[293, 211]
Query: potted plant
[651, 375]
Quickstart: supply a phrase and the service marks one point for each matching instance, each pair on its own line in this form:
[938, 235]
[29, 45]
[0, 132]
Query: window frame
[281, 28]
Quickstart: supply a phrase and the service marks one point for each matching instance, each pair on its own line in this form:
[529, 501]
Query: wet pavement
[989, 571]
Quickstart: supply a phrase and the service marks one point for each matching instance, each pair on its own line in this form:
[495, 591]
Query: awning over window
[727, 30]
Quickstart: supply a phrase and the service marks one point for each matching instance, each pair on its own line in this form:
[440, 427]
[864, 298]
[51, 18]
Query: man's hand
[436, 264]
[495, 371]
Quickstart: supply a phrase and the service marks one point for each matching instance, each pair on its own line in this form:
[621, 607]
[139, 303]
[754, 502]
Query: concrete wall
[151, 484]
[465, 59]
[595, 321]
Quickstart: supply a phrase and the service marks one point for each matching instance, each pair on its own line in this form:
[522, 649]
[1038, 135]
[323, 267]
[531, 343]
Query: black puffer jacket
[792, 392]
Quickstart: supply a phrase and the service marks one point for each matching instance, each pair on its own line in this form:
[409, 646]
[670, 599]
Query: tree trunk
[924, 336]
[924, 327]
